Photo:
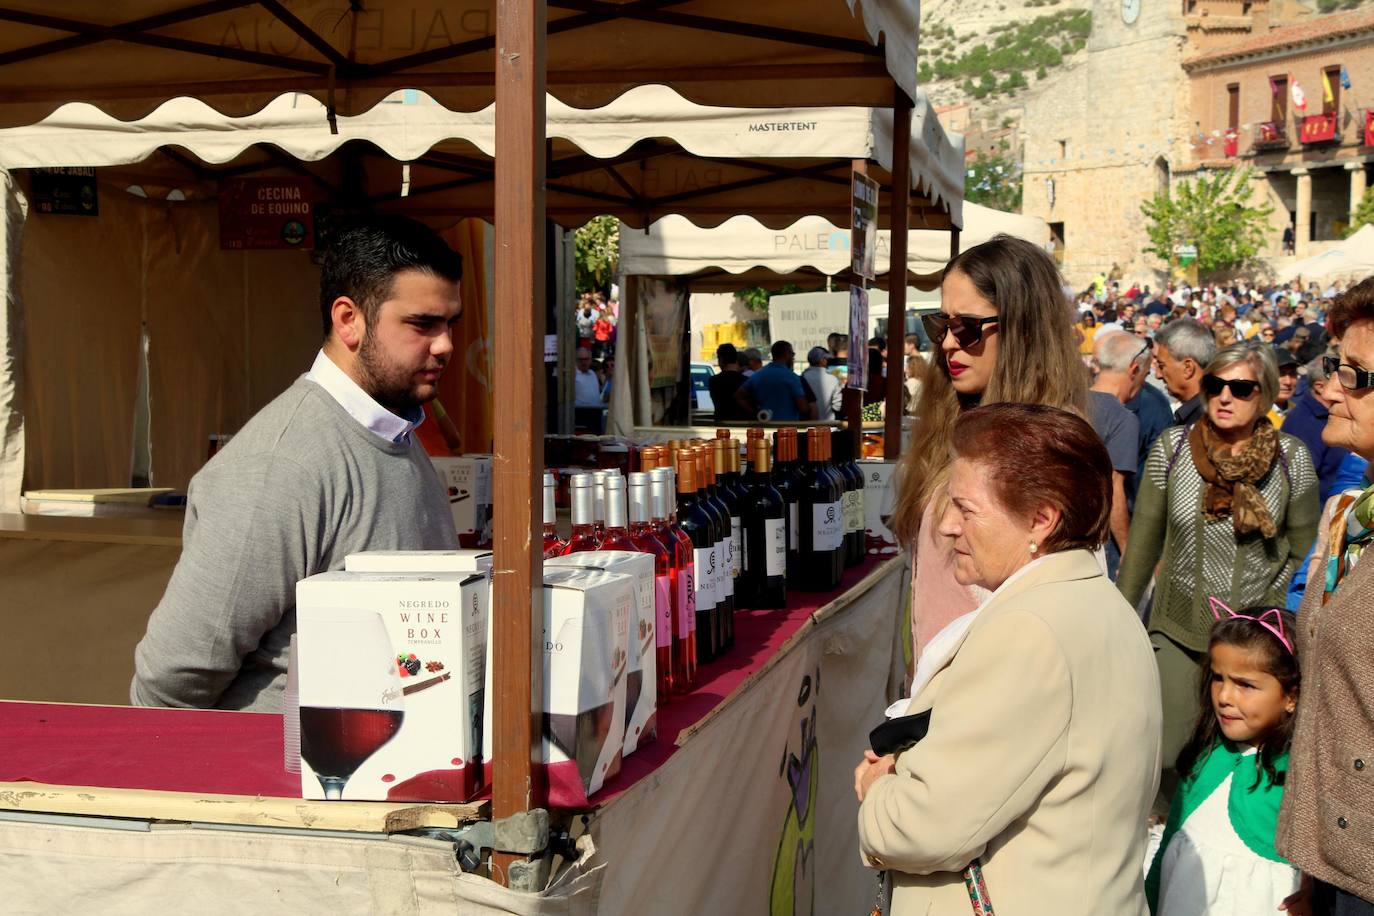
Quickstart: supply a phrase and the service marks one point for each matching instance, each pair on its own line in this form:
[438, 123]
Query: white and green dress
[1217, 855]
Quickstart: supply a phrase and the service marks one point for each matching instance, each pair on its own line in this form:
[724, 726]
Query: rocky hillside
[989, 52]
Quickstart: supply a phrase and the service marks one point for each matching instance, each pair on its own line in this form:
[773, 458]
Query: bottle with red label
[580, 490]
[645, 540]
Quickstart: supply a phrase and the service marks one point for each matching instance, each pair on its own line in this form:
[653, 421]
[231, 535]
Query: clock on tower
[1130, 11]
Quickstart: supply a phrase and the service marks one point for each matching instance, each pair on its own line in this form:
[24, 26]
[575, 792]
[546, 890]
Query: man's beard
[387, 384]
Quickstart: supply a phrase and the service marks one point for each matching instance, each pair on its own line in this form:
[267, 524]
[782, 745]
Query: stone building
[1104, 137]
[1100, 138]
[1311, 164]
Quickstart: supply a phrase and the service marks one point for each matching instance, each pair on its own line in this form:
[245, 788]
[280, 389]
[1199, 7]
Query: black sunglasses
[1351, 378]
[966, 329]
[1240, 387]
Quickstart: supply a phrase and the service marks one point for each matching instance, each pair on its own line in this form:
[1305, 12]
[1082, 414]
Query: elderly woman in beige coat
[1037, 773]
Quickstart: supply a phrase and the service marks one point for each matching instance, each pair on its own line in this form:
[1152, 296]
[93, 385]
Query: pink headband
[1217, 606]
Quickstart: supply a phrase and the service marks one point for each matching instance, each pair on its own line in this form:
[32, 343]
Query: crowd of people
[1114, 510]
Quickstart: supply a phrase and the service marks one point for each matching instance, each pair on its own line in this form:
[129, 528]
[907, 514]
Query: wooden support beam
[518, 460]
[897, 273]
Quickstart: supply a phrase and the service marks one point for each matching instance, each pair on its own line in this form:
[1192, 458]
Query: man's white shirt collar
[359, 404]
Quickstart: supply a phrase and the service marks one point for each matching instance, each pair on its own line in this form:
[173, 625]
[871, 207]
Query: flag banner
[1328, 94]
[1299, 97]
[1345, 77]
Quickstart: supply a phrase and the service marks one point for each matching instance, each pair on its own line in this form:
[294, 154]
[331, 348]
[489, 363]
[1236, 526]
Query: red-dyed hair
[1042, 455]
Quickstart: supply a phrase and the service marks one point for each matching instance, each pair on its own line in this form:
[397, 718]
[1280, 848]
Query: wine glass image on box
[355, 706]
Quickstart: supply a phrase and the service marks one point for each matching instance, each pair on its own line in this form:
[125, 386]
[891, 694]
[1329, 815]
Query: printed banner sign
[761, 796]
[65, 191]
[1319, 128]
[262, 213]
[864, 234]
[857, 376]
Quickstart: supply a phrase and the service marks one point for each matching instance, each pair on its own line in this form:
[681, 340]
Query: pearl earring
[1034, 547]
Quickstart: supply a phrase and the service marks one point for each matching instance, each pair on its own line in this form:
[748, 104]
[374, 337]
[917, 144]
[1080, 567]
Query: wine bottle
[787, 480]
[599, 503]
[617, 536]
[820, 536]
[553, 544]
[583, 525]
[729, 498]
[823, 442]
[646, 541]
[679, 546]
[724, 584]
[855, 523]
[763, 516]
[700, 525]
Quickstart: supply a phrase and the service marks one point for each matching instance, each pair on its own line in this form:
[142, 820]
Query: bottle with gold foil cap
[762, 582]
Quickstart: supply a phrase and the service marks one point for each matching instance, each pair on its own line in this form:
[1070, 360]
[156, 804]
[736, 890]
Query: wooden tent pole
[518, 341]
[852, 399]
[897, 270]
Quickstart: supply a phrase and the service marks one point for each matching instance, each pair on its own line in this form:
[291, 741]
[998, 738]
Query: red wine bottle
[763, 515]
[553, 544]
[662, 489]
[583, 525]
[820, 517]
[724, 585]
[700, 526]
[645, 540]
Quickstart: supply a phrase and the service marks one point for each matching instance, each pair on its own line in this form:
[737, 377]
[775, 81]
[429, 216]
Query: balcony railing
[1271, 135]
[1320, 128]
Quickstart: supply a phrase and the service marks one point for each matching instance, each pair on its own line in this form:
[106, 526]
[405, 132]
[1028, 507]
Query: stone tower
[1103, 137]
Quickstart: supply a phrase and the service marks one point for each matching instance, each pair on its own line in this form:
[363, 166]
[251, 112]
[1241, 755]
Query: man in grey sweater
[326, 469]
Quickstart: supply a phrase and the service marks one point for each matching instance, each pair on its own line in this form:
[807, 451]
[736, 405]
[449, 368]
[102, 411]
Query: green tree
[596, 253]
[1213, 212]
[1364, 213]
[993, 180]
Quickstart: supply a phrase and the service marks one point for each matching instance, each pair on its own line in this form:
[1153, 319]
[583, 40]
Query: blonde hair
[1037, 363]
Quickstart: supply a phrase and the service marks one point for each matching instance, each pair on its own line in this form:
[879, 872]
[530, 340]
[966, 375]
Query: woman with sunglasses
[1004, 333]
[1327, 818]
[1229, 504]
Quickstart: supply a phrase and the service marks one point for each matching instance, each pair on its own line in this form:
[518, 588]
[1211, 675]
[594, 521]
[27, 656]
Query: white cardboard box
[879, 501]
[467, 479]
[473, 560]
[641, 681]
[437, 624]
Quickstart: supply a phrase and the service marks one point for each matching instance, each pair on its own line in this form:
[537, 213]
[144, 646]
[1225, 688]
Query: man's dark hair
[780, 349]
[726, 354]
[365, 254]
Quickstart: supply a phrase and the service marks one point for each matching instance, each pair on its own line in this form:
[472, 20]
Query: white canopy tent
[700, 162]
[673, 247]
[1351, 257]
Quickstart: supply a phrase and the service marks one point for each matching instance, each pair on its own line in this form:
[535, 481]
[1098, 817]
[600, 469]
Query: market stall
[675, 257]
[770, 737]
[825, 53]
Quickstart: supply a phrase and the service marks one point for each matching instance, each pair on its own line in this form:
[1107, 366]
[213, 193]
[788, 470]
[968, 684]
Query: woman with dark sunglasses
[1324, 824]
[1229, 504]
[1004, 333]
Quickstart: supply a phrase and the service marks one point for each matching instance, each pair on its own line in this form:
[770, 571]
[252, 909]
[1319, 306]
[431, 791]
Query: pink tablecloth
[239, 753]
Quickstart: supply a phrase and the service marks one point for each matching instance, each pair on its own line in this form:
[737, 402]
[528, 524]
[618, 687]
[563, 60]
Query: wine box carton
[436, 629]
[587, 617]
[471, 560]
[641, 677]
[879, 500]
[467, 480]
